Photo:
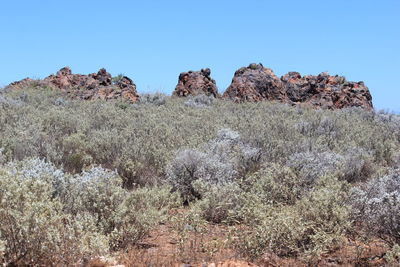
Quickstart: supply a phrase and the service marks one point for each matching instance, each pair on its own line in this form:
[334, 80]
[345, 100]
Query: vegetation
[83, 179]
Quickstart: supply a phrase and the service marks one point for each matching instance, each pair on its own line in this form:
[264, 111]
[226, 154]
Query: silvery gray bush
[157, 99]
[221, 161]
[9, 102]
[199, 101]
[314, 165]
[377, 205]
[34, 226]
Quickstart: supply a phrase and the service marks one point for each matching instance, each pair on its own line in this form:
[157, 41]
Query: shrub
[358, 165]
[377, 205]
[97, 192]
[36, 230]
[219, 203]
[9, 102]
[60, 102]
[199, 101]
[156, 99]
[191, 165]
[276, 184]
[117, 78]
[355, 165]
[143, 209]
[312, 226]
[313, 165]
[110, 136]
[223, 159]
[76, 216]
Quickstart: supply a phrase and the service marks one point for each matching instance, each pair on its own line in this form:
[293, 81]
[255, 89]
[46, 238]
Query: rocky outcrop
[326, 91]
[20, 84]
[255, 83]
[196, 83]
[88, 87]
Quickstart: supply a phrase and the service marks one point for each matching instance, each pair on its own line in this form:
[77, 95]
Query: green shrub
[312, 226]
[276, 184]
[36, 230]
[97, 192]
[219, 203]
[140, 211]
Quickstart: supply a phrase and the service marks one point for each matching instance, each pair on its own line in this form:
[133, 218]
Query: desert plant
[223, 159]
[35, 228]
[140, 211]
[199, 101]
[219, 203]
[97, 192]
[313, 165]
[312, 226]
[276, 184]
[157, 99]
[117, 78]
[377, 205]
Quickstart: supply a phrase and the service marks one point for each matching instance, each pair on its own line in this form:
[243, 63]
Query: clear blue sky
[153, 41]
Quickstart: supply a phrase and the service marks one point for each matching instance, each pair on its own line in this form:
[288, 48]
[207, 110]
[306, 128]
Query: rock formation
[326, 91]
[93, 86]
[195, 83]
[255, 83]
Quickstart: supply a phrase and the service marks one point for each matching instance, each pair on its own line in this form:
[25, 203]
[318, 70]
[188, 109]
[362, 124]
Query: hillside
[157, 180]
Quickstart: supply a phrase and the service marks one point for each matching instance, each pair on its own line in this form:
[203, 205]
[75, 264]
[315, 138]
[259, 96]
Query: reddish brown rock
[93, 86]
[326, 91]
[21, 84]
[255, 83]
[196, 83]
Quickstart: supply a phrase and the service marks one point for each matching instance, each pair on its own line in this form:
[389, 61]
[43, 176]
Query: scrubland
[264, 182]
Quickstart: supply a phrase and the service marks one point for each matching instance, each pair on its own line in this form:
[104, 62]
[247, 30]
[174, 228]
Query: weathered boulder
[326, 91]
[196, 83]
[93, 86]
[255, 83]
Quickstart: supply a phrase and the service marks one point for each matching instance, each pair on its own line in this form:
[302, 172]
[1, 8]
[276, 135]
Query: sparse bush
[9, 102]
[312, 226]
[377, 205]
[156, 99]
[85, 212]
[199, 101]
[223, 159]
[97, 192]
[117, 78]
[60, 102]
[219, 203]
[270, 178]
[313, 165]
[355, 165]
[393, 256]
[111, 136]
[140, 211]
[35, 228]
[192, 165]
[276, 184]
